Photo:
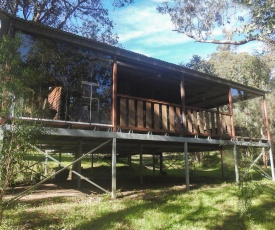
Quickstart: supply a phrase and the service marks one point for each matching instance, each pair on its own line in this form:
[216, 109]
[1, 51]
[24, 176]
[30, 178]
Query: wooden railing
[157, 116]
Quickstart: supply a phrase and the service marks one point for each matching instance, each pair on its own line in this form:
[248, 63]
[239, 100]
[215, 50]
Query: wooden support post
[236, 164]
[114, 96]
[222, 166]
[140, 165]
[230, 102]
[186, 166]
[114, 169]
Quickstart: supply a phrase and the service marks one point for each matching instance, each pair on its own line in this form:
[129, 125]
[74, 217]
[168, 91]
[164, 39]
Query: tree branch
[221, 42]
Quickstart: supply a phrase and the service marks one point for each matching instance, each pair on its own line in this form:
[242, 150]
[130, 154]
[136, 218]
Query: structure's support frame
[222, 164]
[269, 138]
[130, 161]
[78, 165]
[114, 94]
[161, 163]
[20, 195]
[171, 165]
[114, 168]
[154, 165]
[236, 164]
[186, 166]
[141, 165]
[271, 164]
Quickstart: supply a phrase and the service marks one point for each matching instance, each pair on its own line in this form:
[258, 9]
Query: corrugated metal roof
[120, 53]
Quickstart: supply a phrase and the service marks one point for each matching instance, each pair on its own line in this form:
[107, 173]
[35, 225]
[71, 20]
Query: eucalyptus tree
[16, 82]
[87, 18]
[234, 22]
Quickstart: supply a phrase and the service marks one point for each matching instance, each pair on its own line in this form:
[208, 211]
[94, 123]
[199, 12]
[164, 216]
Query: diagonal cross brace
[73, 171]
[67, 166]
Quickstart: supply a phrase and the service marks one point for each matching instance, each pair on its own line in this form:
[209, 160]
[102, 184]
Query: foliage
[241, 67]
[251, 70]
[199, 64]
[16, 80]
[233, 22]
[88, 18]
[248, 188]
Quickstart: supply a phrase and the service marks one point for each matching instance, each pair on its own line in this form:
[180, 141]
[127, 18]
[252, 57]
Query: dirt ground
[69, 188]
[45, 191]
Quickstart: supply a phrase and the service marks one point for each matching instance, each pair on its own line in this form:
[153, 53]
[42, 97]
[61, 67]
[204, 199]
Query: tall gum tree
[234, 22]
[87, 18]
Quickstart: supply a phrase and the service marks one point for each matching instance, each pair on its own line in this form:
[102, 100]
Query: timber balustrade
[143, 114]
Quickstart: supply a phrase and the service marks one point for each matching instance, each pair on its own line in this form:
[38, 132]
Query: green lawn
[160, 203]
[212, 206]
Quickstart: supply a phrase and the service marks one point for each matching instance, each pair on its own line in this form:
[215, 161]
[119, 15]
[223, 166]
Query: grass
[204, 207]
[160, 203]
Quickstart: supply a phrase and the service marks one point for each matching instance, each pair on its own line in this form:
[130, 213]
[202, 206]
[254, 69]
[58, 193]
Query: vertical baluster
[229, 128]
[172, 118]
[132, 113]
[189, 121]
[140, 114]
[123, 111]
[213, 125]
[178, 119]
[224, 124]
[207, 126]
[164, 117]
[148, 115]
[195, 119]
[218, 119]
[201, 122]
[156, 116]
[184, 119]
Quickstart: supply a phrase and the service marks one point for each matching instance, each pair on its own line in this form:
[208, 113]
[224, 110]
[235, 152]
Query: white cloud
[143, 30]
[144, 23]
[251, 47]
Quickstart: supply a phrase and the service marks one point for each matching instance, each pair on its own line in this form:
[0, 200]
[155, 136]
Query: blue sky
[143, 30]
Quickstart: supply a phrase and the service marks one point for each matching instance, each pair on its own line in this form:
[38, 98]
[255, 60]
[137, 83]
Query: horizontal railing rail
[152, 115]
